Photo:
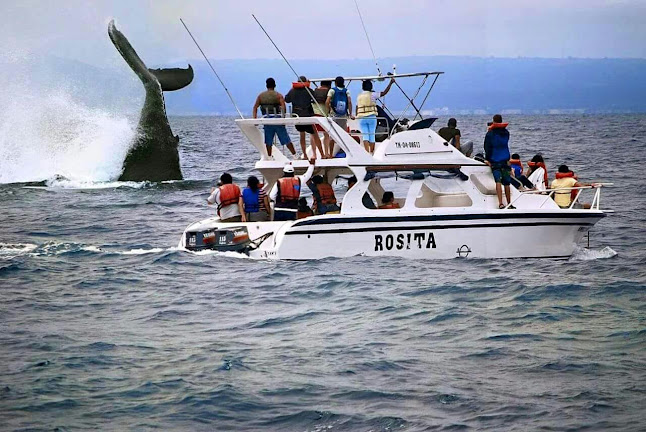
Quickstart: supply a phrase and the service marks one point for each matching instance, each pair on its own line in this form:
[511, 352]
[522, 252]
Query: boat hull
[502, 234]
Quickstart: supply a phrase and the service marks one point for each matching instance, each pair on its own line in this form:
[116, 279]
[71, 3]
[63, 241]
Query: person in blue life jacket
[497, 155]
[339, 104]
[255, 202]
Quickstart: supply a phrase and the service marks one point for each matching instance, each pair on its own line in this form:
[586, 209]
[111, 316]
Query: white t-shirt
[536, 178]
[226, 212]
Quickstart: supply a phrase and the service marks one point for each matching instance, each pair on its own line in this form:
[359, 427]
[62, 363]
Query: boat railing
[549, 194]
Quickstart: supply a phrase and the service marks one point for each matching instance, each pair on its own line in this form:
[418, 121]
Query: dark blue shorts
[501, 173]
[272, 130]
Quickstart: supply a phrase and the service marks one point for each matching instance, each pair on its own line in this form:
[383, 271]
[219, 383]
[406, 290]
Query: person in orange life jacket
[287, 191]
[272, 104]
[324, 198]
[537, 173]
[496, 146]
[567, 179]
[517, 177]
[303, 209]
[388, 201]
[255, 202]
[367, 112]
[227, 199]
[339, 104]
[320, 110]
[301, 102]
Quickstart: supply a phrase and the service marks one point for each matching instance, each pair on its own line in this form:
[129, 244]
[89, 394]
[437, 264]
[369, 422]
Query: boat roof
[379, 77]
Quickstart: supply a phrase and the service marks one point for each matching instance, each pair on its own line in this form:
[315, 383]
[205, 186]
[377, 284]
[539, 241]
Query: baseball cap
[288, 168]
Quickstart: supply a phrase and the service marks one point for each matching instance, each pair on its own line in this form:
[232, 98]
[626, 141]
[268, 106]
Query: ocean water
[105, 325]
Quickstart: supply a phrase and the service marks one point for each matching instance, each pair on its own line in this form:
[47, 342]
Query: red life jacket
[289, 190]
[229, 194]
[573, 193]
[498, 126]
[326, 193]
[392, 205]
[300, 84]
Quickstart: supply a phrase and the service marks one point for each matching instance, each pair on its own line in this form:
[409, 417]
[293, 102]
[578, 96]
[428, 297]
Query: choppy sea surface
[105, 325]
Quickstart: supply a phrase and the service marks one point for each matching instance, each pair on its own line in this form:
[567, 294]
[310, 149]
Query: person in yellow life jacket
[567, 179]
[303, 209]
[324, 198]
[227, 199]
[388, 201]
[367, 112]
[287, 191]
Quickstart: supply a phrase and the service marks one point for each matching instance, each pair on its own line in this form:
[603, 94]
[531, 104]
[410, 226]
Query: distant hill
[469, 85]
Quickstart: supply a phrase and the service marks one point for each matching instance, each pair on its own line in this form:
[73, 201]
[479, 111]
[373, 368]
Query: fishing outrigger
[445, 203]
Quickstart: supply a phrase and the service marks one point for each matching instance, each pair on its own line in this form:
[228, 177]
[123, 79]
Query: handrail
[595, 202]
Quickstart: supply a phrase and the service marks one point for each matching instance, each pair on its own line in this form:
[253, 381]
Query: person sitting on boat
[339, 104]
[227, 199]
[451, 134]
[272, 104]
[496, 146]
[567, 179]
[255, 202]
[366, 199]
[320, 110]
[324, 198]
[303, 209]
[537, 173]
[287, 191]
[517, 178]
[301, 101]
[367, 112]
[388, 201]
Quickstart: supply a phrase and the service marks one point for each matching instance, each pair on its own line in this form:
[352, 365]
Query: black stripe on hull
[435, 227]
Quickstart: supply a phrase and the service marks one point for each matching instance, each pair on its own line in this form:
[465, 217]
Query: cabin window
[398, 186]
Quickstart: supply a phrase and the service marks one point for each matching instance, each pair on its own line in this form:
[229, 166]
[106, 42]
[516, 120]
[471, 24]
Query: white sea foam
[583, 254]
[47, 134]
[12, 250]
[143, 251]
[62, 183]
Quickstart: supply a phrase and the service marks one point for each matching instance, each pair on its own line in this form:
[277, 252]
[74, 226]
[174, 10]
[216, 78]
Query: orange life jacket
[392, 205]
[229, 194]
[300, 84]
[498, 125]
[304, 214]
[326, 193]
[289, 190]
[573, 193]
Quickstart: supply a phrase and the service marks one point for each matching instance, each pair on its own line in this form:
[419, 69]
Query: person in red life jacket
[301, 100]
[255, 202]
[287, 191]
[227, 199]
[567, 179]
[496, 146]
[272, 104]
[303, 209]
[324, 198]
[537, 173]
[388, 201]
[517, 178]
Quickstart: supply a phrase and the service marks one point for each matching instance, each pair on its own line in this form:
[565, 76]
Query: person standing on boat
[255, 202]
[287, 191]
[452, 135]
[367, 112]
[272, 104]
[227, 199]
[339, 104]
[320, 110]
[323, 194]
[497, 155]
[301, 102]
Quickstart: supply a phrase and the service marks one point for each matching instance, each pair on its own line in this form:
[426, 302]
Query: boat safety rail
[549, 193]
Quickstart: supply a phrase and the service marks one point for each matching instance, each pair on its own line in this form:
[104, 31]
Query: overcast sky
[77, 29]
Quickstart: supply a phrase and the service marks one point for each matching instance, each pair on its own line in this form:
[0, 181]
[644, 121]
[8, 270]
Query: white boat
[442, 214]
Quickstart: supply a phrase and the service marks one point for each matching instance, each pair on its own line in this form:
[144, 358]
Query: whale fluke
[153, 156]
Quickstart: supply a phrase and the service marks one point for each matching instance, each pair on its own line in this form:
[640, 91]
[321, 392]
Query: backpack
[340, 101]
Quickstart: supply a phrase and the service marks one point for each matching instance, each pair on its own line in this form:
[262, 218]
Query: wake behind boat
[447, 203]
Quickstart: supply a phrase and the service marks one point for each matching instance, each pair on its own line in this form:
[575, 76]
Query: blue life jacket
[498, 140]
[340, 101]
[251, 200]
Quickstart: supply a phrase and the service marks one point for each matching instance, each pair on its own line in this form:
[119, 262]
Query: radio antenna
[212, 68]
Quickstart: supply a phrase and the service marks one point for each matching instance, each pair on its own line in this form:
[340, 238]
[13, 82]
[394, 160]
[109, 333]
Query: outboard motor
[231, 239]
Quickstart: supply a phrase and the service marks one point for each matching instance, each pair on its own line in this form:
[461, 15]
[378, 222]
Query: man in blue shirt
[496, 146]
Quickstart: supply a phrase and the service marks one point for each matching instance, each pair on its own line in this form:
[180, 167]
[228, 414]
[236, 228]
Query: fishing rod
[299, 79]
[213, 69]
[367, 37]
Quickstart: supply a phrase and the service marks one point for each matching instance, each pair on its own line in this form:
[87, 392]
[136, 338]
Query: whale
[153, 154]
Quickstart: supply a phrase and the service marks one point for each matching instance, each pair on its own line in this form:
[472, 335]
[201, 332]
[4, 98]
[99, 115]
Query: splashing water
[51, 134]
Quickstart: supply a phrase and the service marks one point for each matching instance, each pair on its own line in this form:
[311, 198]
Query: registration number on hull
[404, 241]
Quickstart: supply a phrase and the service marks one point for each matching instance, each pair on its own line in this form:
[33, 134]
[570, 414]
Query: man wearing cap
[287, 191]
[301, 100]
